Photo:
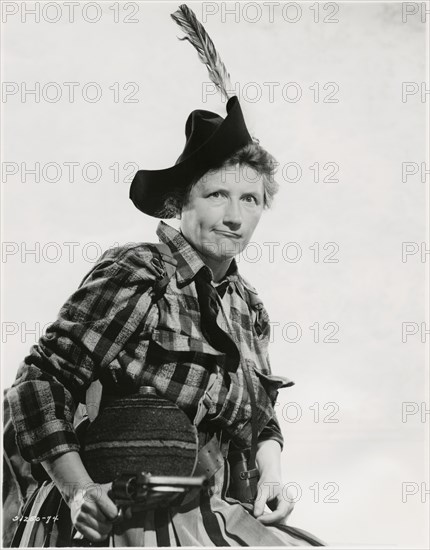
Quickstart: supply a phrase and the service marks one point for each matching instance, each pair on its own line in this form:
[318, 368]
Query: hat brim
[150, 188]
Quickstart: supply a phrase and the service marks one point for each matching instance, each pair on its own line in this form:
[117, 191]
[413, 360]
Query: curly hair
[252, 155]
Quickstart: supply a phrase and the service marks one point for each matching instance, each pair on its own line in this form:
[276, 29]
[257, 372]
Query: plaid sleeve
[91, 329]
[272, 430]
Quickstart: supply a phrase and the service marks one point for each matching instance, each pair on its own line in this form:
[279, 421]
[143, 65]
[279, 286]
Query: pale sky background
[362, 460]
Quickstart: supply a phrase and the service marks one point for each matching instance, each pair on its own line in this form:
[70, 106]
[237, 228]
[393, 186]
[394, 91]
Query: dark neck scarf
[208, 302]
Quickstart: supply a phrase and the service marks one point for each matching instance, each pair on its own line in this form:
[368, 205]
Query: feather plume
[199, 38]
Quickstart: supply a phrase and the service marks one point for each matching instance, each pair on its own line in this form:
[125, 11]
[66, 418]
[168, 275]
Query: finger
[108, 507]
[91, 516]
[259, 504]
[263, 495]
[98, 499]
[271, 517]
[89, 521]
[91, 534]
[93, 509]
[278, 514]
[101, 516]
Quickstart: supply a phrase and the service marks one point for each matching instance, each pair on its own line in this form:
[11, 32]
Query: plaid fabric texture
[102, 331]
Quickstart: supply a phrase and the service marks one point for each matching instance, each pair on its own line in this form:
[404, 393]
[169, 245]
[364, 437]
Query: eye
[251, 199]
[216, 194]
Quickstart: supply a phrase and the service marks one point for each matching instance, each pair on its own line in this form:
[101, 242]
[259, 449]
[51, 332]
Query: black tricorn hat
[210, 140]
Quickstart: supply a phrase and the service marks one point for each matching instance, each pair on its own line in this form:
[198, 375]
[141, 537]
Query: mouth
[228, 234]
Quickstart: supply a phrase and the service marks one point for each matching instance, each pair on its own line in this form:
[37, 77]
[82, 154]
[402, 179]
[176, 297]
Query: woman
[208, 331]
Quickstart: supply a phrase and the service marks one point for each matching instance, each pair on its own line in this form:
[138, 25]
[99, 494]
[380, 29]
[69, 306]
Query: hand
[271, 491]
[93, 512]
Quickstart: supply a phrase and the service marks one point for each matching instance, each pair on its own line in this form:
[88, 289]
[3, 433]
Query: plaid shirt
[103, 332]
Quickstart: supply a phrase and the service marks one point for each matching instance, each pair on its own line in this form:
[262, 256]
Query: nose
[233, 215]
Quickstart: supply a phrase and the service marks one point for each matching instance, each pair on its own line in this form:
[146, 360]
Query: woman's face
[223, 209]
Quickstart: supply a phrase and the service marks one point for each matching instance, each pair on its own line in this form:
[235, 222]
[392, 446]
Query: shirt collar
[189, 263]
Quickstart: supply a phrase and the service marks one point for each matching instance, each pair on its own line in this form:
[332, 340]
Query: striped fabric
[209, 519]
[99, 333]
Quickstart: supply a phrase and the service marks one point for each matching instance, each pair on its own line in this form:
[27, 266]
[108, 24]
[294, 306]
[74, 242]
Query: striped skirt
[208, 518]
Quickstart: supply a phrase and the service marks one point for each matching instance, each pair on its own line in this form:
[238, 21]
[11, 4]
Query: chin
[223, 250]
